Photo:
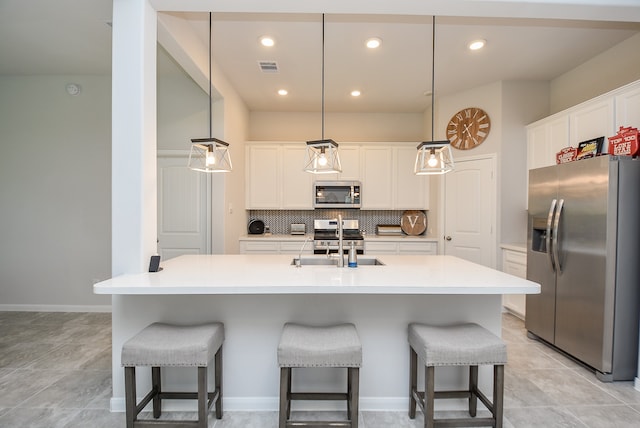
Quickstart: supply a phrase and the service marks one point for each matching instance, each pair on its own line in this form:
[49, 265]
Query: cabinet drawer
[515, 269]
[294, 247]
[417, 248]
[515, 257]
[381, 248]
[259, 247]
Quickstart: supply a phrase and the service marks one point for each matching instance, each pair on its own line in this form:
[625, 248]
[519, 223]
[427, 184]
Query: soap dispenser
[353, 256]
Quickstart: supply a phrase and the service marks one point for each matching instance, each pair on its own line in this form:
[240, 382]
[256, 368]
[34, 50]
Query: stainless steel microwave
[336, 194]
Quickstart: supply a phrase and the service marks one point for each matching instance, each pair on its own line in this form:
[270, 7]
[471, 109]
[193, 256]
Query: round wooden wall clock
[468, 128]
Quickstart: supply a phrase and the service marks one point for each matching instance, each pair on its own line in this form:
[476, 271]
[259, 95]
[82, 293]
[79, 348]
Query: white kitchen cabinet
[400, 246]
[411, 191]
[275, 179]
[263, 173]
[377, 187]
[627, 107]
[388, 181]
[545, 139]
[275, 245]
[514, 262]
[297, 192]
[592, 120]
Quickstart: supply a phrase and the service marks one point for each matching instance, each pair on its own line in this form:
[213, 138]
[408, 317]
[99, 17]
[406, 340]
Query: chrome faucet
[340, 233]
[298, 261]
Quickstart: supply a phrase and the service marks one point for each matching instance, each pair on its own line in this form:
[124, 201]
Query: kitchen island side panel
[253, 324]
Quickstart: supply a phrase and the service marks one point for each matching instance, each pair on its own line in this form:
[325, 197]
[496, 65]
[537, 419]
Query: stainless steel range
[325, 236]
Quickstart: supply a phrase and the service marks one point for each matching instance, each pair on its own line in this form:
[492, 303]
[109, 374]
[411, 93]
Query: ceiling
[72, 37]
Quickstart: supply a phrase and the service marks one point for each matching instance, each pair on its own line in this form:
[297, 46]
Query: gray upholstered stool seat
[456, 345]
[303, 346]
[166, 345]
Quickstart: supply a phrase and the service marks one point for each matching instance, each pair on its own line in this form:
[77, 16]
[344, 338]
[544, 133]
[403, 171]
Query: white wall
[304, 126]
[611, 69]
[55, 188]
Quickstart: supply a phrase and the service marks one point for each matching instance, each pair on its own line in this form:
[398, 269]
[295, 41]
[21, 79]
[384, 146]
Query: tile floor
[55, 371]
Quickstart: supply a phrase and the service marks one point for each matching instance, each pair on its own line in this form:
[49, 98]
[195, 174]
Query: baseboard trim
[55, 308]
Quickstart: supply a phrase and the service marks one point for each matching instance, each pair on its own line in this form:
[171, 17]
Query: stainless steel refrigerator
[583, 248]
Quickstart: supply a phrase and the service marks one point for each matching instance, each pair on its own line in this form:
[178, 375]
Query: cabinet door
[594, 120]
[384, 247]
[430, 248]
[350, 161]
[628, 108]
[515, 263]
[376, 178]
[545, 140]
[296, 184]
[263, 177]
[411, 191]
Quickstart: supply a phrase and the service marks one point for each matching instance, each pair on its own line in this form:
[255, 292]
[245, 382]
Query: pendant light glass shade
[434, 157]
[209, 154]
[322, 157]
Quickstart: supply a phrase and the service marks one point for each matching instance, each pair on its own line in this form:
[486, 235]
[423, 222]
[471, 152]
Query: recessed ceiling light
[477, 44]
[267, 41]
[282, 92]
[373, 42]
[355, 93]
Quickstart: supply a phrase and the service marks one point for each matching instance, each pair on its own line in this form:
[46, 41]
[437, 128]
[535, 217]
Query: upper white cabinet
[601, 116]
[388, 181]
[377, 165]
[628, 108]
[545, 139]
[592, 120]
[275, 179]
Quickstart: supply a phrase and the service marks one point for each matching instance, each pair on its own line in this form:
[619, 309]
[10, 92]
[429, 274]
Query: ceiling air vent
[268, 66]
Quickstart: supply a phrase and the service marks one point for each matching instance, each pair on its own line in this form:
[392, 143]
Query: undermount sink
[324, 261]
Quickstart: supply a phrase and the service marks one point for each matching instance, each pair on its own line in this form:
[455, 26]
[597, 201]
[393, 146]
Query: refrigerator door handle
[556, 227]
[548, 243]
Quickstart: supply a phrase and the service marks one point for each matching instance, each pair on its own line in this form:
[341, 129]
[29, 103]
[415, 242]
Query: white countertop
[301, 238]
[274, 274]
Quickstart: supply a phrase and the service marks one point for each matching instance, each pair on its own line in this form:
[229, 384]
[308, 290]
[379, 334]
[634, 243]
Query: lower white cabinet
[275, 246]
[372, 247]
[514, 262]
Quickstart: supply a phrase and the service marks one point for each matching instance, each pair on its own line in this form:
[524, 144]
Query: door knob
[448, 238]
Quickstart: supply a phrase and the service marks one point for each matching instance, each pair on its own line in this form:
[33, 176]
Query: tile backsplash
[279, 221]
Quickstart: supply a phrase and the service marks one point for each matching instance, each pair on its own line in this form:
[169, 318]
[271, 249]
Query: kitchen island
[254, 295]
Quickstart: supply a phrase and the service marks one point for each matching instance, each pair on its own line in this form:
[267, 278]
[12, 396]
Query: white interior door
[470, 211]
[183, 208]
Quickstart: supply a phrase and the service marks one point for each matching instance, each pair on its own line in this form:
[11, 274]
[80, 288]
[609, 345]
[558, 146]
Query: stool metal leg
[498, 394]
[285, 391]
[413, 381]
[218, 384]
[473, 388]
[202, 398]
[353, 395]
[130, 395]
[429, 395]
[156, 385]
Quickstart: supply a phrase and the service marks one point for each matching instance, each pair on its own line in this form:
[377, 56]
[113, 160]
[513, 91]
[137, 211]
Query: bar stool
[165, 345]
[306, 346]
[456, 345]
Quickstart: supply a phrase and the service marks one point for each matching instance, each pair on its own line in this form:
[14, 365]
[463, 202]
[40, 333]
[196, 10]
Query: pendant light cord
[433, 75]
[322, 133]
[210, 84]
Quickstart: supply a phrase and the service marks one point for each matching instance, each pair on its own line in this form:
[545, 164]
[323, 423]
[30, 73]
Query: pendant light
[434, 157]
[209, 154]
[322, 155]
